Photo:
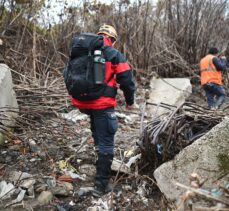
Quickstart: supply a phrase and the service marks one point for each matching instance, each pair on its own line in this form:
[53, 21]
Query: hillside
[164, 39]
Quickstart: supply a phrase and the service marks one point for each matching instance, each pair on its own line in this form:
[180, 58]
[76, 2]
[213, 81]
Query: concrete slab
[172, 91]
[207, 156]
[8, 102]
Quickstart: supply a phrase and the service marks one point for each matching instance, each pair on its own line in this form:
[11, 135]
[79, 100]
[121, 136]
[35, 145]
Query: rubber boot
[103, 172]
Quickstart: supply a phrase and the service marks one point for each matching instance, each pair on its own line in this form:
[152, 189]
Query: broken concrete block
[8, 102]
[207, 156]
[172, 91]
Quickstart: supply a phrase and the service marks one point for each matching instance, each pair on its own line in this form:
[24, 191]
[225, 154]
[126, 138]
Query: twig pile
[163, 138]
[35, 101]
[42, 98]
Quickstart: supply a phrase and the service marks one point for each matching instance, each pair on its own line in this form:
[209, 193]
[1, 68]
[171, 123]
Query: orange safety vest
[208, 71]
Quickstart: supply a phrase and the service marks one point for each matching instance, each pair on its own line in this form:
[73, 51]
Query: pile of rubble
[50, 165]
[48, 161]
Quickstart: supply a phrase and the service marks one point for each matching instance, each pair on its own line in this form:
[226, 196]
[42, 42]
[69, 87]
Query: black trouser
[104, 124]
[215, 94]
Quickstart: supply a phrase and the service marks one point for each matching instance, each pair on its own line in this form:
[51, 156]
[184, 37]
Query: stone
[45, 197]
[69, 187]
[87, 169]
[41, 187]
[27, 183]
[83, 191]
[172, 91]
[208, 157]
[60, 190]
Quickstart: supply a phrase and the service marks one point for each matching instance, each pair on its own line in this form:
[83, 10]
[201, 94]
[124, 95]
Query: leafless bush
[168, 37]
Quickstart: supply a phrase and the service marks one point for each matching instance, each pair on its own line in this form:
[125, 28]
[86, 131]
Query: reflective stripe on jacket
[208, 71]
[116, 70]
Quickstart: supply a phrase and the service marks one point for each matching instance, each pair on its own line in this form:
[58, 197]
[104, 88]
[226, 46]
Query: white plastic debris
[118, 165]
[4, 152]
[33, 146]
[19, 198]
[75, 176]
[142, 191]
[72, 203]
[133, 160]
[6, 190]
[74, 115]
[126, 118]
[99, 205]
[127, 187]
[26, 184]
[128, 153]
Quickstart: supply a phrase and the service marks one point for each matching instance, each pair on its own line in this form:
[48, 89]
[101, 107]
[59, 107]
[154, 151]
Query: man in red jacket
[104, 122]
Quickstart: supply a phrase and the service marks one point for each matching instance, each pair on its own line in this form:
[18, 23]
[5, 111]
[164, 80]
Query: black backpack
[78, 73]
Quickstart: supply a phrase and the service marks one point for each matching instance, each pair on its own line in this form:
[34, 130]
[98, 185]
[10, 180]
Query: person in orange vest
[211, 68]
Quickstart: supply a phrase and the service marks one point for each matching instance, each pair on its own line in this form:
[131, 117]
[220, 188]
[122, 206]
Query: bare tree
[167, 37]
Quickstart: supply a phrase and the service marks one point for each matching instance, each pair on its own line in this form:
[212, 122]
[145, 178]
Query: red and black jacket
[117, 70]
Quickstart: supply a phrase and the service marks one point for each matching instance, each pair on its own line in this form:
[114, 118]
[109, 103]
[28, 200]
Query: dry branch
[163, 138]
[208, 196]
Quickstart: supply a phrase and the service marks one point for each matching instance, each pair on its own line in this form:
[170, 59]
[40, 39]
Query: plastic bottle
[99, 67]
